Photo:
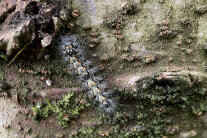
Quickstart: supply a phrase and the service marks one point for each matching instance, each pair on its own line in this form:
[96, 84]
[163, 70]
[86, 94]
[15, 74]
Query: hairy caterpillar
[72, 51]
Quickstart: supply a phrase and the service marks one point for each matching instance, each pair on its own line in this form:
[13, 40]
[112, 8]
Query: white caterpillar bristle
[109, 110]
[70, 66]
[80, 46]
[87, 63]
[65, 59]
[84, 86]
[76, 44]
[80, 54]
[61, 50]
[106, 94]
[102, 85]
[108, 106]
[65, 40]
[82, 58]
[93, 70]
[73, 39]
[95, 101]
[97, 78]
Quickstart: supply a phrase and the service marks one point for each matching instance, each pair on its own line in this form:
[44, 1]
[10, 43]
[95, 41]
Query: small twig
[53, 93]
[57, 91]
[5, 14]
[18, 54]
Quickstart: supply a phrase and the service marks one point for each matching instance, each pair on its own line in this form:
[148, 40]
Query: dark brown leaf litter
[201, 9]
[23, 22]
[4, 86]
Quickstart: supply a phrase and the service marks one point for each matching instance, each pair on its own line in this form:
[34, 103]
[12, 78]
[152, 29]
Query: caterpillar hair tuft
[73, 53]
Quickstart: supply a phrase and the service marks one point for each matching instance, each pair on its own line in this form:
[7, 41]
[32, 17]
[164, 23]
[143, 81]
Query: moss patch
[66, 109]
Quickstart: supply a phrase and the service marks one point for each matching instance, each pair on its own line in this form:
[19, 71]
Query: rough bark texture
[151, 52]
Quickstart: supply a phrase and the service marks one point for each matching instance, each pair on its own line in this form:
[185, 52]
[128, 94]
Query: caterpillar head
[69, 40]
[65, 41]
[70, 51]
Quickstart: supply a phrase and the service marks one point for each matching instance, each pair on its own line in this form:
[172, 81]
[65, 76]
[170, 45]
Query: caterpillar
[73, 53]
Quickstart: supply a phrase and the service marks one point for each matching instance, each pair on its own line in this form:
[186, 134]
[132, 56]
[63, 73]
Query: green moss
[158, 101]
[65, 109]
[2, 74]
[3, 56]
[90, 132]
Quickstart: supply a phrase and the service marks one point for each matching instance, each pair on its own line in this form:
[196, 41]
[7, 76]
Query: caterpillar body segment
[73, 59]
[82, 70]
[73, 52]
[91, 83]
[77, 64]
[96, 90]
